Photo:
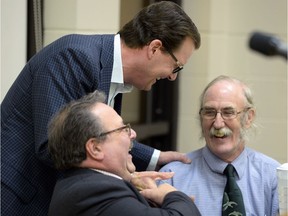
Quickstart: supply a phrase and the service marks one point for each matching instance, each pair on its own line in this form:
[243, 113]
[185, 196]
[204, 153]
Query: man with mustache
[226, 114]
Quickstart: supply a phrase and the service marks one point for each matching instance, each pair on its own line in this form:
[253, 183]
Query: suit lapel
[138, 195]
[118, 103]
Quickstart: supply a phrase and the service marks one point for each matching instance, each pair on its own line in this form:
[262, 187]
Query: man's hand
[146, 180]
[157, 194]
[169, 156]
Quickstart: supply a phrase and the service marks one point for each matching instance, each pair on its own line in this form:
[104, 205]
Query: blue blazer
[87, 192]
[65, 70]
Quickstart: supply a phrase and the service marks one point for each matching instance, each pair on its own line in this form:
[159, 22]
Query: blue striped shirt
[204, 179]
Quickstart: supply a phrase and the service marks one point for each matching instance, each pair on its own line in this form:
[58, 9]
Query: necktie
[233, 204]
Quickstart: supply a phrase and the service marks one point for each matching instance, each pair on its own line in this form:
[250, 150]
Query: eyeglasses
[179, 65]
[126, 127]
[226, 113]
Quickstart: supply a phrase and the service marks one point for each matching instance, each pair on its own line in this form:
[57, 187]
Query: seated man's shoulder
[195, 156]
[261, 159]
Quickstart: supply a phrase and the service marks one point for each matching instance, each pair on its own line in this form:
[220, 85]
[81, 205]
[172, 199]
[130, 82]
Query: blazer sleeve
[141, 155]
[63, 76]
[97, 194]
[175, 204]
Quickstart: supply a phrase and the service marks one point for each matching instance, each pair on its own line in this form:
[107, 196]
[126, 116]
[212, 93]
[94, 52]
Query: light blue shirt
[204, 179]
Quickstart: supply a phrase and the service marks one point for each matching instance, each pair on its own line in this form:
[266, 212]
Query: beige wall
[13, 41]
[225, 26]
[63, 17]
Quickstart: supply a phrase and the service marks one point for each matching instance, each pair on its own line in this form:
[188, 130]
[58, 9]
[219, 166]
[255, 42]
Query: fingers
[185, 159]
[143, 182]
[147, 180]
[192, 198]
[153, 175]
[157, 194]
[169, 156]
[148, 194]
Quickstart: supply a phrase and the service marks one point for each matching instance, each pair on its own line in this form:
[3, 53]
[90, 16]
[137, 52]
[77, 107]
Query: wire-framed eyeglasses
[179, 65]
[126, 127]
[226, 113]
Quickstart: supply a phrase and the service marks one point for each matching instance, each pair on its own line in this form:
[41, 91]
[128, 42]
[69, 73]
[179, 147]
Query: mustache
[220, 132]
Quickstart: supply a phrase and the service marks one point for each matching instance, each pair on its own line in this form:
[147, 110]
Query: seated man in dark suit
[89, 140]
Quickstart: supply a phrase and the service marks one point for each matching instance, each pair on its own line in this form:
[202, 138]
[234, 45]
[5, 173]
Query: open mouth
[220, 137]
[219, 134]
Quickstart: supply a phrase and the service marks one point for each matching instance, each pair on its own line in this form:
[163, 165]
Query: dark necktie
[233, 204]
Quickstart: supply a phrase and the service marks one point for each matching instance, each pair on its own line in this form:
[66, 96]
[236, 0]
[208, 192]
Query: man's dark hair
[165, 21]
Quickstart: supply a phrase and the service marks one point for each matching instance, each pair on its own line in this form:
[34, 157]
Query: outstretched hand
[145, 182]
[169, 156]
[157, 194]
[147, 179]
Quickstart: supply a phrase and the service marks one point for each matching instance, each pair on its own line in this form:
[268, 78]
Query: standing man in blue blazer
[154, 45]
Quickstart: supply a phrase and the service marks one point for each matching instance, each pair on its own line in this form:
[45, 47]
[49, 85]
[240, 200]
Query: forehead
[107, 114]
[224, 94]
[185, 50]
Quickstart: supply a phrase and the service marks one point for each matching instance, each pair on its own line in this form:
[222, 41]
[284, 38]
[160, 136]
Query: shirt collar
[107, 173]
[240, 162]
[117, 72]
[217, 165]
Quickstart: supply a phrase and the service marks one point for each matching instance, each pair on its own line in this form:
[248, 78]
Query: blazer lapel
[138, 195]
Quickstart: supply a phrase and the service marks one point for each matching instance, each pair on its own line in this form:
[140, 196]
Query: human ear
[94, 149]
[154, 45]
[250, 117]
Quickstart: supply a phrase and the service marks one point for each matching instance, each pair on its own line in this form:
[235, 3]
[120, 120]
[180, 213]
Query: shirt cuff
[154, 159]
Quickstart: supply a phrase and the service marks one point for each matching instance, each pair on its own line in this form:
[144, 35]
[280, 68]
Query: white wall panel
[13, 41]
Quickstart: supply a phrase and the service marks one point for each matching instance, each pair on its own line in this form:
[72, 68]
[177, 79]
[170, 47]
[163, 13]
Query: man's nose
[133, 134]
[172, 76]
[218, 121]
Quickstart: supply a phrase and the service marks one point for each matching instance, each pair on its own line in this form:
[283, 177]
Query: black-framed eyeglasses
[179, 65]
[226, 113]
[126, 127]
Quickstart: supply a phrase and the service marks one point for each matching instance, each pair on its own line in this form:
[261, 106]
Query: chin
[147, 88]
[132, 169]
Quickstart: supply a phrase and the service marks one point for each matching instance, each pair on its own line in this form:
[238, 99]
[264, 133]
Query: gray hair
[248, 101]
[71, 127]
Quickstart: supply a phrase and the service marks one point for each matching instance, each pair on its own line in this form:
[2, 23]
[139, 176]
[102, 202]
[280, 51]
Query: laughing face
[118, 143]
[154, 63]
[224, 118]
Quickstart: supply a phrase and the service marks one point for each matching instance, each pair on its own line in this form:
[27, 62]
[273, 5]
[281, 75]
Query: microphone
[268, 45]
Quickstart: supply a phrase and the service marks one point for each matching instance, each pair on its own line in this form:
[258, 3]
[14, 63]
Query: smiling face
[115, 156]
[155, 63]
[224, 137]
[163, 64]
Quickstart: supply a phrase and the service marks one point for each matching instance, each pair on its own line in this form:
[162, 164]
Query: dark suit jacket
[87, 192]
[65, 70]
